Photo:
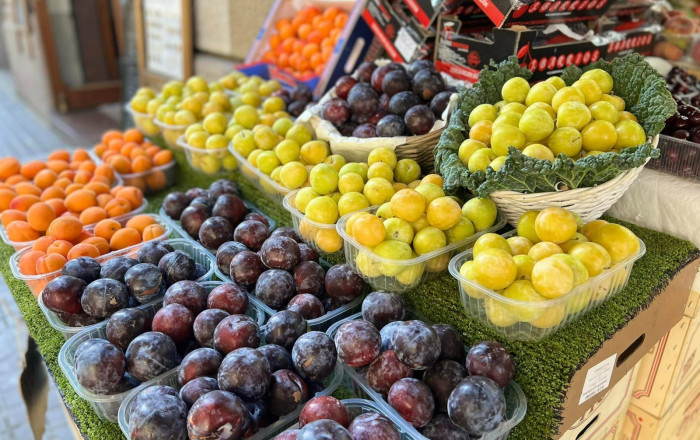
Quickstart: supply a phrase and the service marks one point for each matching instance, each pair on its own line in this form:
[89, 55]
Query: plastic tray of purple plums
[284, 273]
[255, 391]
[139, 344]
[424, 377]
[106, 289]
[679, 157]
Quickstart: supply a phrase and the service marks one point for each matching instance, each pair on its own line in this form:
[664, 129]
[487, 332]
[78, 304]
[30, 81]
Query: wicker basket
[589, 203]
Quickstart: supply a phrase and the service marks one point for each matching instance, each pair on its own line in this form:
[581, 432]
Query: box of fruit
[578, 140]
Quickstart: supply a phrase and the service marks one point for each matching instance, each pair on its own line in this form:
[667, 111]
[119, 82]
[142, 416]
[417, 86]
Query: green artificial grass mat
[544, 369]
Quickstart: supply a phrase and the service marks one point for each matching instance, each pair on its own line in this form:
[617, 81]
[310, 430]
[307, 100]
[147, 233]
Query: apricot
[138, 182]
[82, 177]
[105, 170]
[98, 187]
[58, 166]
[156, 180]
[152, 150]
[103, 199]
[133, 135]
[40, 215]
[74, 187]
[12, 215]
[117, 207]
[100, 243]
[124, 238]
[141, 164]
[6, 196]
[87, 166]
[45, 178]
[100, 149]
[27, 262]
[93, 215]
[52, 192]
[81, 154]
[127, 147]
[67, 174]
[116, 189]
[115, 144]
[100, 179]
[20, 231]
[23, 202]
[153, 231]
[83, 250]
[50, 263]
[136, 152]
[5, 186]
[17, 178]
[106, 228]
[58, 206]
[132, 194]
[65, 228]
[59, 155]
[42, 243]
[81, 200]
[30, 169]
[8, 167]
[120, 163]
[27, 188]
[139, 222]
[84, 235]
[162, 158]
[61, 247]
[111, 134]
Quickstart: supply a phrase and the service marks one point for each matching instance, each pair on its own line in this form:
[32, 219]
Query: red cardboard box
[507, 13]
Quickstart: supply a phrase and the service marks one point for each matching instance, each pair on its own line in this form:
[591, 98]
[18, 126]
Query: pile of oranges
[303, 44]
[129, 154]
[66, 239]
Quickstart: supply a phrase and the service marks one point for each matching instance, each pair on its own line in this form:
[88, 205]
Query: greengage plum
[427, 83]
[491, 359]
[358, 343]
[145, 282]
[221, 187]
[373, 426]
[174, 203]
[125, 325]
[419, 119]
[62, 294]
[214, 232]
[101, 298]
[287, 392]
[191, 220]
[336, 111]
[442, 428]
[309, 277]
[275, 287]
[307, 305]
[251, 233]
[177, 266]
[218, 415]
[234, 332]
[158, 413]
[277, 357]
[451, 346]
[364, 71]
[314, 356]
[280, 253]
[246, 373]
[257, 217]
[202, 362]
[116, 268]
[246, 267]
[189, 294]
[85, 268]
[363, 99]
[99, 366]
[230, 207]
[229, 297]
[401, 102]
[442, 377]
[380, 308]
[396, 81]
[324, 408]
[385, 370]
[477, 404]
[284, 328]
[342, 284]
[412, 399]
[225, 253]
[204, 325]
[323, 430]
[196, 388]
[175, 321]
[390, 126]
[151, 354]
[416, 344]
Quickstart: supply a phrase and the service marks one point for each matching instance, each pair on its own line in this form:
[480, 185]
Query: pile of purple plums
[388, 101]
[685, 88]
[284, 273]
[87, 293]
[298, 99]
[326, 417]
[233, 386]
[217, 215]
[424, 371]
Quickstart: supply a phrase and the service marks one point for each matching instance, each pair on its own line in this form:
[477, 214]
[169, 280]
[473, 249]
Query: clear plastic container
[171, 133]
[197, 252]
[36, 283]
[154, 180]
[211, 162]
[107, 406]
[323, 238]
[402, 275]
[516, 403]
[679, 157]
[267, 433]
[272, 189]
[144, 122]
[538, 319]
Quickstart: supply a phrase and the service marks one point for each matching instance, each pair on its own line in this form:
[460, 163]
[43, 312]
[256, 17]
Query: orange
[162, 158]
[97, 187]
[93, 215]
[81, 200]
[53, 192]
[74, 187]
[61, 247]
[124, 238]
[65, 228]
[133, 195]
[23, 202]
[83, 250]
[106, 228]
[153, 231]
[6, 196]
[316, 60]
[315, 37]
[133, 135]
[304, 30]
[100, 149]
[40, 215]
[286, 31]
[331, 13]
[15, 179]
[30, 169]
[283, 60]
[117, 207]
[120, 163]
[58, 165]
[57, 205]
[27, 188]
[11, 215]
[50, 263]
[8, 167]
[111, 134]
[103, 199]
[82, 176]
[87, 166]
[27, 262]
[141, 164]
[139, 222]
[100, 243]
[340, 20]
[45, 178]
[21, 231]
[275, 40]
[283, 22]
[287, 45]
[298, 46]
[80, 155]
[42, 243]
[310, 49]
[156, 180]
[324, 28]
[59, 155]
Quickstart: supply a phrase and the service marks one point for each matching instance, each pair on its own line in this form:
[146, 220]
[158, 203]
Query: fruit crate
[309, 230]
[207, 161]
[36, 283]
[149, 181]
[679, 157]
[170, 379]
[145, 123]
[516, 403]
[107, 406]
[496, 311]
[171, 133]
[402, 275]
[272, 189]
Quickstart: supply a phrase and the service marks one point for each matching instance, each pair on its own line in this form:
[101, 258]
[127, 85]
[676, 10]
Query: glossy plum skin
[363, 99]
[314, 356]
[151, 354]
[196, 388]
[358, 343]
[324, 407]
[401, 102]
[85, 268]
[442, 377]
[427, 83]
[235, 331]
[280, 253]
[117, 267]
[225, 253]
[419, 65]
[158, 412]
[125, 325]
[491, 359]
[153, 251]
[187, 293]
[214, 232]
[307, 306]
[286, 231]
[373, 426]
[451, 346]
[419, 120]
[309, 277]
[192, 218]
[246, 268]
[387, 334]
[202, 362]
[336, 111]
[396, 81]
[380, 308]
[99, 366]
[277, 357]
[343, 86]
[477, 404]
[385, 370]
[275, 287]
[222, 186]
[103, 297]
[439, 103]
[175, 321]
[380, 73]
[145, 281]
[416, 344]
[442, 428]
[284, 328]
[246, 373]
[365, 131]
[174, 203]
[229, 297]
[342, 284]
[323, 430]
[364, 71]
[204, 325]
[218, 415]
[177, 266]
[287, 392]
[81, 320]
[62, 294]
[390, 126]
[413, 400]
[230, 207]
[251, 233]
[258, 217]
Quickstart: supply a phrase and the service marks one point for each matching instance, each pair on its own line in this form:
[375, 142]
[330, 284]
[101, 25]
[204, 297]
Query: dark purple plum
[251, 233]
[275, 287]
[218, 415]
[196, 388]
[202, 362]
[385, 370]
[343, 86]
[375, 118]
[192, 193]
[384, 103]
[284, 328]
[306, 305]
[287, 392]
[229, 297]
[175, 321]
[145, 282]
[347, 128]
[491, 359]
[152, 251]
[302, 92]
[260, 414]
[277, 357]
[85, 268]
[126, 324]
[127, 383]
[290, 434]
[390, 126]
[442, 428]
[358, 343]
[419, 65]
[314, 356]
[396, 81]
[221, 187]
[373, 426]
[225, 254]
[116, 268]
[215, 231]
[442, 377]
[99, 366]
[309, 277]
[230, 207]
[191, 220]
[204, 325]
[246, 373]
[387, 334]
[307, 253]
[364, 71]
[342, 284]
[177, 266]
[419, 120]
[82, 320]
[412, 399]
[477, 404]
[151, 354]
[187, 293]
[451, 346]
[336, 111]
[234, 332]
[62, 294]
[380, 73]
[246, 267]
[323, 430]
[206, 203]
[280, 253]
[257, 217]
[416, 344]
[324, 408]
[363, 99]
[427, 83]
[296, 108]
[286, 231]
[365, 131]
[439, 103]
[401, 102]
[103, 297]
[380, 308]
[158, 412]
[174, 203]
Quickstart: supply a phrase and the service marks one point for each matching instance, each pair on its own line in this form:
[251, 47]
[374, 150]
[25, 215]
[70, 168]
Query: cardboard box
[666, 370]
[462, 56]
[604, 420]
[507, 13]
[681, 422]
[691, 308]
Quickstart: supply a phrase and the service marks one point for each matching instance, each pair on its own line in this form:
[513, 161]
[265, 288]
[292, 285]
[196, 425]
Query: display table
[544, 369]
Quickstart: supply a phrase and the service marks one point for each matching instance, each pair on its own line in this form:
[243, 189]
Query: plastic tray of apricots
[137, 161]
[66, 238]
